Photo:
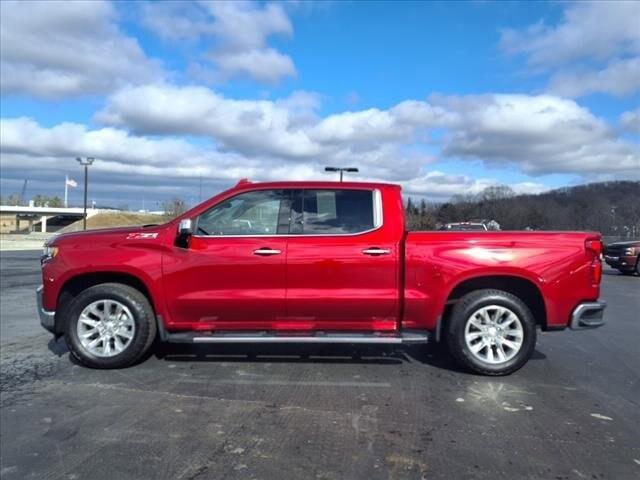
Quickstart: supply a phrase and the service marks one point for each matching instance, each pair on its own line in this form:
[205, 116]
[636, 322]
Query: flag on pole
[68, 182]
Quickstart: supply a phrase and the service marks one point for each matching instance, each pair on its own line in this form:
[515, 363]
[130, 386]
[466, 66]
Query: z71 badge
[142, 236]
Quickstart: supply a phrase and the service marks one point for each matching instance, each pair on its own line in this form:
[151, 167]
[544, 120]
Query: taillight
[595, 246]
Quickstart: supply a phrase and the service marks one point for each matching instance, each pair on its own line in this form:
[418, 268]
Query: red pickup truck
[316, 262]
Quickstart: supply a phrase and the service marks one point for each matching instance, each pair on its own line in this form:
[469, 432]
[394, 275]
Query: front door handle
[375, 251]
[265, 252]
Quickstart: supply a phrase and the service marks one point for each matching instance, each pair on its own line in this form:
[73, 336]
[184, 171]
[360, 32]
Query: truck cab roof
[247, 184]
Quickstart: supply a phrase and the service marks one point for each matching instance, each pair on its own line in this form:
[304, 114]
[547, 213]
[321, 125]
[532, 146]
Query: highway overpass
[39, 215]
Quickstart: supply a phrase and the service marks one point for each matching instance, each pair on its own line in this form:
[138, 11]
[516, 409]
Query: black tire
[143, 317]
[638, 265]
[461, 313]
[626, 272]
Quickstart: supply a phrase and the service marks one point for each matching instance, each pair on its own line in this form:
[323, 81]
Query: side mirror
[185, 228]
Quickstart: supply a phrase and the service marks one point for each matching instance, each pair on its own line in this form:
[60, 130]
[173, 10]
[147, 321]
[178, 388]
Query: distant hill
[116, 219]
[612, 208]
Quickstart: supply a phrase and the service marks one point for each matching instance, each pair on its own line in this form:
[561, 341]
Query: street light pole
[341, 170]
[86, 162]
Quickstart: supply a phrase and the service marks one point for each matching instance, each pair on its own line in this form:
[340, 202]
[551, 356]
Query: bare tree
[174, 207]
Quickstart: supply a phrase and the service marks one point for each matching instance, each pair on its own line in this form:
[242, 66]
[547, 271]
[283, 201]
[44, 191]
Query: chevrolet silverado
[316, 262]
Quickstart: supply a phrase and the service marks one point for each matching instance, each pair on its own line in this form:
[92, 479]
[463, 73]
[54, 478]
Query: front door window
[254, 213]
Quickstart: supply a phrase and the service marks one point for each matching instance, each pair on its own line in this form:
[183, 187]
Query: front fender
[98, 265]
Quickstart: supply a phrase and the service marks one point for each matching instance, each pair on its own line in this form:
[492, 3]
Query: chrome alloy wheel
[494, 334]
[105, 328]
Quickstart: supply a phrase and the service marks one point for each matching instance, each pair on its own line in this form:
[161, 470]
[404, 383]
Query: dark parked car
[625, 256]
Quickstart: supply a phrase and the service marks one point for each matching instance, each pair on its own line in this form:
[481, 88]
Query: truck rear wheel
[491, 332]
[110, 325]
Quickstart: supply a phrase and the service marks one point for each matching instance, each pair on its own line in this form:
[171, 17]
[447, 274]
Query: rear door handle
[265, 252]
[375, 251]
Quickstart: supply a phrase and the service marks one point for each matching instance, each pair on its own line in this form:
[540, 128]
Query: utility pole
[86, 162]
[341, 170]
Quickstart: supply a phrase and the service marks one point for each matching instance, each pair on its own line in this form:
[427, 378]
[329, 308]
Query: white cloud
[620, 77]
[529, 188]
[263, 64]
[365, 126]
[287, 128]
[56, 49]
[596, 43]
[26, 144]
[538, 134]
[588, 30]
[238, 32]
[115, 149]
[245, 25]
[301, 103]
[256, 127]
[443, 186]
[124, 162]
[176, 20]
[378, 141]
[374, 127]
[630, 121]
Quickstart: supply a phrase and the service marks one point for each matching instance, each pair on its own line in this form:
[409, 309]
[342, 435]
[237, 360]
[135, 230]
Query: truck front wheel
[110, 325]
[491, 332]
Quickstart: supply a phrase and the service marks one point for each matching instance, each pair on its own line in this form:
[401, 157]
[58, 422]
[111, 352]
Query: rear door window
[332, 212]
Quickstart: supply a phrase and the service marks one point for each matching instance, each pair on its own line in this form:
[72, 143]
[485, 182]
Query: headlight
[630, 251]
[48, 253]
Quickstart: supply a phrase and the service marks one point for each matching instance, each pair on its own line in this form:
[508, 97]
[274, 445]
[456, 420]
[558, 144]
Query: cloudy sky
[443, 98]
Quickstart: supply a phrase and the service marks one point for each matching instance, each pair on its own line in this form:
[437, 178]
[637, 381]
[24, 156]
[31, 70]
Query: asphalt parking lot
[300, 412]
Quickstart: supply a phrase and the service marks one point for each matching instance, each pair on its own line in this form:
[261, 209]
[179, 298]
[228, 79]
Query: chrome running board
[406, 337]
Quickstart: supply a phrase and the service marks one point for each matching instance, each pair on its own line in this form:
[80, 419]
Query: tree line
[612, 208]
[38, 201]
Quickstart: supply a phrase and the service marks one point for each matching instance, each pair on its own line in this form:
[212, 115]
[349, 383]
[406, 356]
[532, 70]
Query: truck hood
[118, 233]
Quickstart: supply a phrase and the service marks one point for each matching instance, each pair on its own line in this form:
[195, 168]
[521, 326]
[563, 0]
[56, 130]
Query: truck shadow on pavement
[434, 355]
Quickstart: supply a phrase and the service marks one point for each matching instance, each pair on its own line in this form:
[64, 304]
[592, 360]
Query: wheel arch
[78, 283]
[523, 288]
